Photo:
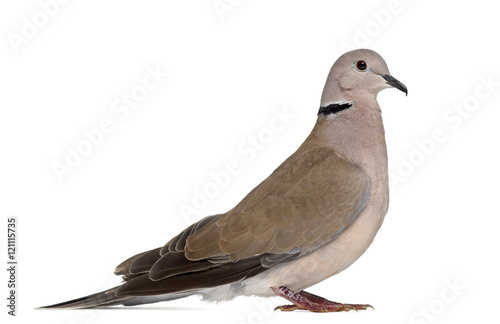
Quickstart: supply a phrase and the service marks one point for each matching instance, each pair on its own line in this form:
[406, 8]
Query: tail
[109, 298]
[103, 298]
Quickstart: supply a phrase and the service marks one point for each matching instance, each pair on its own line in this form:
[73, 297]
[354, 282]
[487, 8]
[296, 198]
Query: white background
[227, 73]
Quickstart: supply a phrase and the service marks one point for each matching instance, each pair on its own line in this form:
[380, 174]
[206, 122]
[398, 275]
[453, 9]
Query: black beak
[395, 83]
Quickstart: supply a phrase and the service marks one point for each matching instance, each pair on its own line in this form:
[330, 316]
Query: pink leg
[306, 301]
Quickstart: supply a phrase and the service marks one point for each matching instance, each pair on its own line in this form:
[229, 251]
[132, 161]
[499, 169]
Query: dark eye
[361, 65]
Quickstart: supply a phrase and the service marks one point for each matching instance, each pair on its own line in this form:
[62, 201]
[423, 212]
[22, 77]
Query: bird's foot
[306, 301]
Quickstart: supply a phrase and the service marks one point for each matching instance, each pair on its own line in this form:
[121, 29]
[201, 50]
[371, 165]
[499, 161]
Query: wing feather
[313, 193]
[305, 203]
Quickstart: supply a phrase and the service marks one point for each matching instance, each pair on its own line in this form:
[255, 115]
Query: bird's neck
[355, 138]
[356, 134]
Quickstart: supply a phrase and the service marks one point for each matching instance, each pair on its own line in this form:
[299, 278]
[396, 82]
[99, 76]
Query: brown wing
[302, 205]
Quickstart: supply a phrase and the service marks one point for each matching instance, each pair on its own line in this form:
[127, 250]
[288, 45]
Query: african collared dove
[310, 219]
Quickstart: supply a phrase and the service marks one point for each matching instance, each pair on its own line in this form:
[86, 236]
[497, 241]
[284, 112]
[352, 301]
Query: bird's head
[358, 73]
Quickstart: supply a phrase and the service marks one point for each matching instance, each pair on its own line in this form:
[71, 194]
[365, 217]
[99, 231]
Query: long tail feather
[102, 298]
[109, 298]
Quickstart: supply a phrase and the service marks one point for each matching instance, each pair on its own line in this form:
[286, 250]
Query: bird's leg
[306, 301]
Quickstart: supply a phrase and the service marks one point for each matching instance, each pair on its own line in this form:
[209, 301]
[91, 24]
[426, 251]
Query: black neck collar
[334, 108]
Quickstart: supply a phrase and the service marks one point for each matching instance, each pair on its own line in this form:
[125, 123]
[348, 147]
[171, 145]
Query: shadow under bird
[310, 219]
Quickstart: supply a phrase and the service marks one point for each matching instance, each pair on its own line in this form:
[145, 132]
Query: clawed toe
[306, 301]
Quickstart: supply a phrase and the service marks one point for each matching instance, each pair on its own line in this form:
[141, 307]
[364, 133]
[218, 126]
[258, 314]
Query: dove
[314, 216]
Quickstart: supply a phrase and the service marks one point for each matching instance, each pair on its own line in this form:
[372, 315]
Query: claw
[306, 301]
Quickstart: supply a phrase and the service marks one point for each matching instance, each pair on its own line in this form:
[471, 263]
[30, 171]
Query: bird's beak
[395, 83]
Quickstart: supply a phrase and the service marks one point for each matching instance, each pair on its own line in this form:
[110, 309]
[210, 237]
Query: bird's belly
[324, 262]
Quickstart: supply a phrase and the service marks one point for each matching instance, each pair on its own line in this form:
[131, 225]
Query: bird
[310, 219]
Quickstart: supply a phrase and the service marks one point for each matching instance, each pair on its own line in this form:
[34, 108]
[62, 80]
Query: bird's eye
[361, 65]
